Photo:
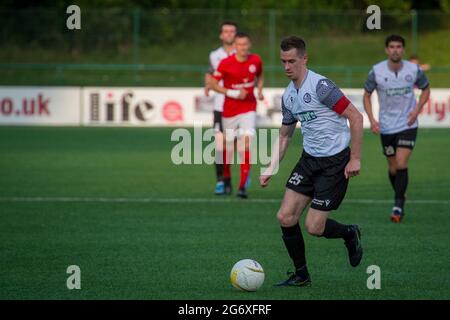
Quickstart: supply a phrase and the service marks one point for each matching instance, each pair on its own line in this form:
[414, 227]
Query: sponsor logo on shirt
[243, 85]
[306, 116]
[398, 91]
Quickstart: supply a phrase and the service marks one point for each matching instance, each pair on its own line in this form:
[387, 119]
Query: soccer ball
[247, 275]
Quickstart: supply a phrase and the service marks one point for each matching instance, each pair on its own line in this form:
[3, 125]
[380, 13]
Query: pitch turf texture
[179, 241]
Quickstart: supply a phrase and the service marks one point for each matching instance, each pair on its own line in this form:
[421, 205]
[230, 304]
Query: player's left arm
[423, 84]
[259, 87]
[355, 120]
[260, 83]
[331, 96]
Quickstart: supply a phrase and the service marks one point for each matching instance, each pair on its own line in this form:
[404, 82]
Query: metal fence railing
[170, 75]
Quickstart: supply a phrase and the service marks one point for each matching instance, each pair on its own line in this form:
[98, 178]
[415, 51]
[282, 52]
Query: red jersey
[237, 75]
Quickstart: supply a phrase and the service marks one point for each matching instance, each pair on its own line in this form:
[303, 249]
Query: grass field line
[195, 200]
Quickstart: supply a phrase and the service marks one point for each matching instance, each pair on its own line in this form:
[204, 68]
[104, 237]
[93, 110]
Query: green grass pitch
[179, 241]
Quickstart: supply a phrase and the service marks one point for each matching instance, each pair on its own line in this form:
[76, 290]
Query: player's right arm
[231, 93]
[369, 87]
[279, 150]
[209, 75]
[207, 83]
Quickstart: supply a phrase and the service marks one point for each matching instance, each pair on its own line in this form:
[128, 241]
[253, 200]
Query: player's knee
[243, 146]
[220, 141]
[401, 164]
[392, 168]
[286, 218]
[219, 147]
[314, 229]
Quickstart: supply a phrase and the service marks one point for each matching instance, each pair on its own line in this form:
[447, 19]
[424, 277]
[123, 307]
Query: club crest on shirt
[409, 78]
[252, 68]
[307, 98]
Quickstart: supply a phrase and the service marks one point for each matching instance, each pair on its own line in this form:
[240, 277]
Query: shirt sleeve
[218, 73]
[288, 117]
[422, 80]
[331, 96]
[210, 66]
[371, 83]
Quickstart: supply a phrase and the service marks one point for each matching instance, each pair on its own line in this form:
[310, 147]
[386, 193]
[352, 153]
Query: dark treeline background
[442, 5]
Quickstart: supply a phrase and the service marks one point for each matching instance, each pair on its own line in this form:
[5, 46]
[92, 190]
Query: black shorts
[218, 127]
[402, 139]
[321, 178]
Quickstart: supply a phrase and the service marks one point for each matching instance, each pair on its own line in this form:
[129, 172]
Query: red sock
[245, 169]
[226, 165]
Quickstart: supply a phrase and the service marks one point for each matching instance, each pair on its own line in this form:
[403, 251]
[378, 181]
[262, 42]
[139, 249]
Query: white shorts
[219, 100]
[240, 125]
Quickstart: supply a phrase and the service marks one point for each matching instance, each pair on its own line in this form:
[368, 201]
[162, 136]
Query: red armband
[341, 105]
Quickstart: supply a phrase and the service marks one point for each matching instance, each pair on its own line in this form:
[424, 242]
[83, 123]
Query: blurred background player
[321, 176]
[240, 73]
[228, 30]
[395, 79]
[415, 59]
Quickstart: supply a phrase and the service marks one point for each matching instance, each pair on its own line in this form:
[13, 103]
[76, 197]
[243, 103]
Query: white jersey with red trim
[318, 105]
[214, 60]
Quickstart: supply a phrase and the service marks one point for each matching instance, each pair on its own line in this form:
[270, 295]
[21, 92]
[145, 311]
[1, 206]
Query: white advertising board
[137, 106]
[40, 105]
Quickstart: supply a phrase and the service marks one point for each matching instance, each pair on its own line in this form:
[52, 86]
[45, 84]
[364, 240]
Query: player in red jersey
[240, 73]
[228, 30]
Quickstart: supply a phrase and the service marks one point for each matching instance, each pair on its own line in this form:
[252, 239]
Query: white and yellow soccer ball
[247, 275]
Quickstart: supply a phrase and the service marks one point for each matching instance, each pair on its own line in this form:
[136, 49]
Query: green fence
[170, 48]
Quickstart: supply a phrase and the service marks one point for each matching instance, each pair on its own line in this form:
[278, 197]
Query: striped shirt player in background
[240, 73]
[395, 79]
[228, 30]
[321, 176]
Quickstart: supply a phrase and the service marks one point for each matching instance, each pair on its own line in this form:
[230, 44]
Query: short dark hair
[294, 42]
[227, 23]
[394, 38]
[242, 35]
